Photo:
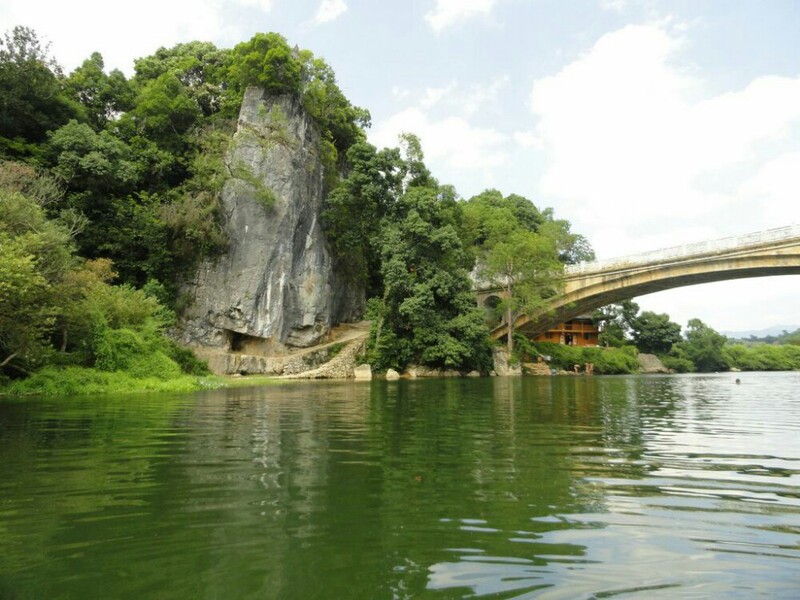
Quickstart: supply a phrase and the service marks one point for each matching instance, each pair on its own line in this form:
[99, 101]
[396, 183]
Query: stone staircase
[339, 367]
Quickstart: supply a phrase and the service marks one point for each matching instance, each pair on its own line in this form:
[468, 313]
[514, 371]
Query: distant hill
[775, 330]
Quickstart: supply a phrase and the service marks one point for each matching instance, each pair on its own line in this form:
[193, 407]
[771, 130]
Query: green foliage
[55, 308]
[36, 184]
[32, 96]
[490, 216]
[74, 381]
[762, 357]
[616, 322]
[165, 112]
[518, 250]
[49, 241]
[790, 338]
[655, 333]
[702, 347]
[102, 96]
[194, 219]
[25, 306]
[186, 359]
[785, 337]
[259, 191]
[341, 123]
[37, 253]
[202, 69]
[677, 364]
[427, 314]
[354, 211]
[267, 61]
[606, 361]
[92, 162]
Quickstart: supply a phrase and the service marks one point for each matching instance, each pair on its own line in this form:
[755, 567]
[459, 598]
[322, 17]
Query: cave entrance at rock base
[243, 343]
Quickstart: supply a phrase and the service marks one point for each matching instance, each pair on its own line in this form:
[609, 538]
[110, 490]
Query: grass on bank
[75, 381]
[606, 361]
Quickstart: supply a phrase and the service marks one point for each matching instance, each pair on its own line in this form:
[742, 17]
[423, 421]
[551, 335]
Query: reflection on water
[650, 487]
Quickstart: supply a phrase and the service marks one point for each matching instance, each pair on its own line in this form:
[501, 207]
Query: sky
[645, 123]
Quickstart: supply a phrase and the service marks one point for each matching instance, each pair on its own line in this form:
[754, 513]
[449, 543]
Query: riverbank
[81, 381]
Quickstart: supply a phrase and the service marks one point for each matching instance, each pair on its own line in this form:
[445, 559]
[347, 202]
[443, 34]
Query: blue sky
[647, 124]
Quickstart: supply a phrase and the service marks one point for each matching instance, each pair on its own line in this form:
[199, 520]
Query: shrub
[607, 361]
[677, 364]
[186, 359]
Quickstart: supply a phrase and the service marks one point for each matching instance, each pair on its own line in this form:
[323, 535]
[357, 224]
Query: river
[683, 486]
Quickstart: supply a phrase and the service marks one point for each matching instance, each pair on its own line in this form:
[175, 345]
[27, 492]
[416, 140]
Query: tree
[201, 67]
[103, 96]
[266, 60]
[655, 333]
[342, 123]
[37, 253]
[616, 322]
[25, 306]
[165, 112]
[703, 347]
[32, 98]
[427, 314]
[517, 249]
[87, 161]
[102, 174]
[354, 211]
[526, 266]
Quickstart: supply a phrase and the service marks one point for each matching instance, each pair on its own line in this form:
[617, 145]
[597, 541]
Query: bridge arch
[591, 285]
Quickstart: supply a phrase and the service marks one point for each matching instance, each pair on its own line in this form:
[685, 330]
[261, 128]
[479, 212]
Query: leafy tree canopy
[33, 99]
[519, 249]
[703, 347]
[616, 322]
[102, 96]
[655, 333]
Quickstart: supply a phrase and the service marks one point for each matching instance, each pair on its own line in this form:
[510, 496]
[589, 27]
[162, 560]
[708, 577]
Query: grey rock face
[274, 286]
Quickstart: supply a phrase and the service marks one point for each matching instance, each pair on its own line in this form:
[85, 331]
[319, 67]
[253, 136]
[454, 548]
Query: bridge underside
[587, 292]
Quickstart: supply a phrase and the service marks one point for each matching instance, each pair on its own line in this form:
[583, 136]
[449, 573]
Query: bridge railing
[688, 250]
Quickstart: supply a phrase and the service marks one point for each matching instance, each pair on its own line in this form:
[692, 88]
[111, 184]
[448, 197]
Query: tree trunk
[510, 333]
[510, 318]
[9, 358]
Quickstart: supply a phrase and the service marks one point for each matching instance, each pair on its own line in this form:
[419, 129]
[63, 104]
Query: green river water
[562, 487]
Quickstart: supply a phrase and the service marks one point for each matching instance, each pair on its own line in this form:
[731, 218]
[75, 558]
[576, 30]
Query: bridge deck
[750, 240]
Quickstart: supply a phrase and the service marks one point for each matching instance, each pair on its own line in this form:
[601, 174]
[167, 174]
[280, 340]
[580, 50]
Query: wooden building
[580, 331]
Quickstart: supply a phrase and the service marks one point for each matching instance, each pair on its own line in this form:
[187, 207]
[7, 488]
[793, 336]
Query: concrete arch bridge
[590, 285]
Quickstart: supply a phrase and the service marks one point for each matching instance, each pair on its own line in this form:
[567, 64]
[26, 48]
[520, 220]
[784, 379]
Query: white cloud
[480, 95]
[640, 156]
[433, 96]
[775, 189]
[265, 5]
[442, 117]
[447, 13]
[527, 139]
[400, 94]
[466, 100]
[451, 141]
[329, 10]
[615, 5]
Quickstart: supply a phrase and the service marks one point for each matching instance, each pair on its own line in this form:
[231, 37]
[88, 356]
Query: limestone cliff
[274, 286]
